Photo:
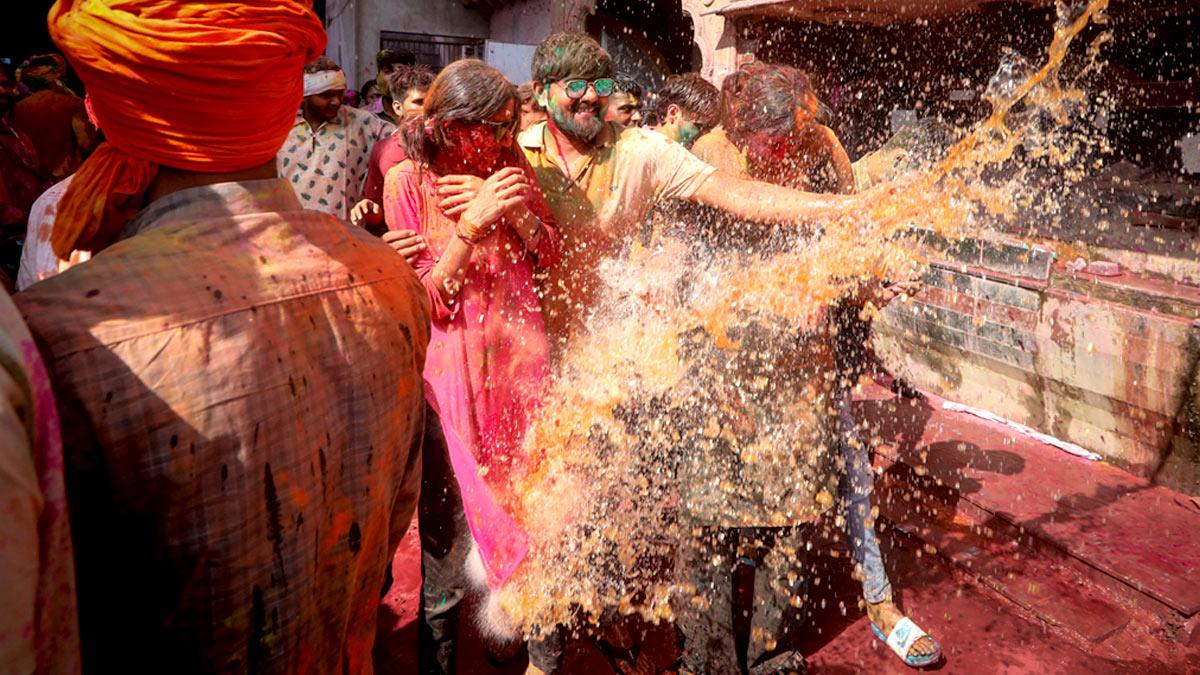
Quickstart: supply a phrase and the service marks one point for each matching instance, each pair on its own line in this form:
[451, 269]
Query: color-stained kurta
[487, 362]
[240, 384]
[327, 166]
[39, 631]
[385, 155]
[38, 260]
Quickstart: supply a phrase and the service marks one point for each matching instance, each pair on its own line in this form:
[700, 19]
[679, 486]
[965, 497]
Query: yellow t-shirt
[716, 149]
[601, 205]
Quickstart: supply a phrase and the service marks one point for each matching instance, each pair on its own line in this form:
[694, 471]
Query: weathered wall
[1111, 365]
[355, 26]
[523, 23]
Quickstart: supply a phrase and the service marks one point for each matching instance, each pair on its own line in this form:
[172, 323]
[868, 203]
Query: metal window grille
[435, 51]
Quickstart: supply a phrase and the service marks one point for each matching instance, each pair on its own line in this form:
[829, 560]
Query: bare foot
[886, 615]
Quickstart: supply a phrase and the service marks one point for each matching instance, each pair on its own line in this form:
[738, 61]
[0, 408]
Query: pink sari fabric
[487, 362]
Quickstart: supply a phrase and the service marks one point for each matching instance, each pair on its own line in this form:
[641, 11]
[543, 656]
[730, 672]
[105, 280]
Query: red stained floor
[1022, 560]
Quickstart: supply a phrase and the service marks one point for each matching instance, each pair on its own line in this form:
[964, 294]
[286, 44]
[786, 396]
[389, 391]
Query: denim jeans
[858, 481]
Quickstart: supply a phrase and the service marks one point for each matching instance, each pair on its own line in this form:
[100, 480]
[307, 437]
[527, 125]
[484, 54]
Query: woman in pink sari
[470, 194]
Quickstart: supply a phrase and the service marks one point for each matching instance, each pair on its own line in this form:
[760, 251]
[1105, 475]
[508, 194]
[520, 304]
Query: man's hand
[882, 295]
[405, 242]
[457, 192]
[366, 214]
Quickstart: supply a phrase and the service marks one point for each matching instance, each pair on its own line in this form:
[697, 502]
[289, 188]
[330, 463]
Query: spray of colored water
[704, 394]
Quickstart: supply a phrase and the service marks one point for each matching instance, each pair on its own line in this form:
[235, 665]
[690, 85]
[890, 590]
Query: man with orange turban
[240, 379]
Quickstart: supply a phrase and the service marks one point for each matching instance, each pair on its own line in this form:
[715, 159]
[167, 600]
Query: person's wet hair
[398, 82]
[466, 91]
[698, 98]
[321, 65]
[564, 56]
[387, 58]
[625, 85]
[763, 99]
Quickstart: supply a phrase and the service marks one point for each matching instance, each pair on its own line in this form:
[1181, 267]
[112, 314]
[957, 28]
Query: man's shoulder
[405, 170]
[632, 134]
[194, 273]
[647, 144]
[367, 120]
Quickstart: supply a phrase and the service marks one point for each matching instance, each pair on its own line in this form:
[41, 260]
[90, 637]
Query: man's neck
[313, 121]
[173, 180]
[570, 148]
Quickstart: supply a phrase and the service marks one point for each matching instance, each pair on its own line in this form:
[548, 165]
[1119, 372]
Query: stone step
[1048, 589]
[1080, 544]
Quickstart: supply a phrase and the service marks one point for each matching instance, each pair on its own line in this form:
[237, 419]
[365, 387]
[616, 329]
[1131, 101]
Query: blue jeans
[856, 486]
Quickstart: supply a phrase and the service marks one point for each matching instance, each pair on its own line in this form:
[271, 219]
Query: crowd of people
[252, 340]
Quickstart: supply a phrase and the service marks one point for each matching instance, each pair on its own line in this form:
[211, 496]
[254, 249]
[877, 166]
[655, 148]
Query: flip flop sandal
[903, 637]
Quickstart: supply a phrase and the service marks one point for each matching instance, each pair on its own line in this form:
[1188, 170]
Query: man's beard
[580, 130]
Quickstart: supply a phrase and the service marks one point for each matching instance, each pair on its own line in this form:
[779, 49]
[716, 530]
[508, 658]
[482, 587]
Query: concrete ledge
[1108, 363]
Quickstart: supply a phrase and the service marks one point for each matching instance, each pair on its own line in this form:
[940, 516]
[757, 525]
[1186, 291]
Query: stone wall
[1106, 363]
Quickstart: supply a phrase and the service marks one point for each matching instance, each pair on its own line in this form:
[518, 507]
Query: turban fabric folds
[200, 86]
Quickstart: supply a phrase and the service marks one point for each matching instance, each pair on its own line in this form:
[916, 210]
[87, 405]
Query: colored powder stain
[274, 525]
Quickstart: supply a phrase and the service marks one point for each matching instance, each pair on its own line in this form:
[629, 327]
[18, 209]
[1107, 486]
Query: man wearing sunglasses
[602, 179]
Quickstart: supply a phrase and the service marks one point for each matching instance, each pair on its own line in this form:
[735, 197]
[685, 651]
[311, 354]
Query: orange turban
[207, 86]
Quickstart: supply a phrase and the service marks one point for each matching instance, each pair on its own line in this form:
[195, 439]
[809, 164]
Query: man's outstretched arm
[767, 203]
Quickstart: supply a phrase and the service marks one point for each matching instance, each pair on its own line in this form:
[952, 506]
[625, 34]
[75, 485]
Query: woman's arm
[495, 199]
[544, 241]
[402, 194]
[840, 161]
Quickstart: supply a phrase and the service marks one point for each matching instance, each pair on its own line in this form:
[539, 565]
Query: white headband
[323, 81]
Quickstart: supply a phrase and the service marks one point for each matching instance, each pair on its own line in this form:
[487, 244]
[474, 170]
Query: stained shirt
[327, 166]
[38, 260]
[601, 205]
[240, 381]
[385, 155]
[716, 149]
[39, 630]
[487, 362]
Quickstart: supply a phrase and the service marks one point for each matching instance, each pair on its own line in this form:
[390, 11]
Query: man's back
[241, 388]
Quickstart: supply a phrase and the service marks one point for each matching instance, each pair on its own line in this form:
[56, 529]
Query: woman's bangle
[458, 231]
[532, 242]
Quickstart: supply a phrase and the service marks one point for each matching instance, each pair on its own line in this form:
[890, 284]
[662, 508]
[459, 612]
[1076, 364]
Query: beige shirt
[600, 206]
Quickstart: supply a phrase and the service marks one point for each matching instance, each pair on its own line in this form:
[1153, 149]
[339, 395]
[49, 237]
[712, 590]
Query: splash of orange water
[635, 424]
